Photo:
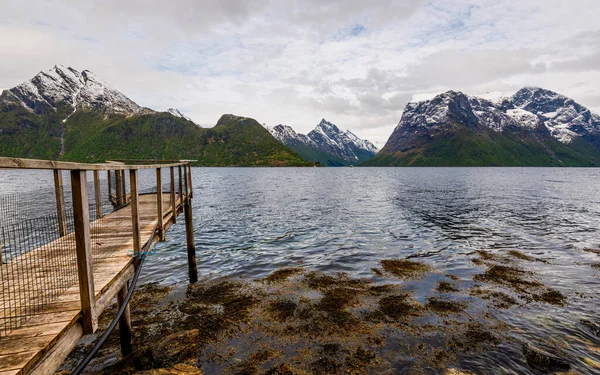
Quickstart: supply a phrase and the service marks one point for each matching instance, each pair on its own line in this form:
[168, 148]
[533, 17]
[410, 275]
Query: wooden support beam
[135, 214]
[60, 203]
[123, 188]
[190, 180]
[109, 179]
[118, 188]
[189, 237]
[85, 267]
[97, 197]
[180, 185]
[173, 197]
[124, 324]
[159, 205]
[186, 183]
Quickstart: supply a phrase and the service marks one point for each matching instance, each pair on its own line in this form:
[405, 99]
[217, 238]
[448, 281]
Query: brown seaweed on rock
[404, 268]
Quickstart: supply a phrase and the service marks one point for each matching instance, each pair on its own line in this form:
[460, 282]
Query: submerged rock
[543, 361]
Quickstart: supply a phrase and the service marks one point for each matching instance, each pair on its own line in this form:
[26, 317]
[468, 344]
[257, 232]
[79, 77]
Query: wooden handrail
[18, 163]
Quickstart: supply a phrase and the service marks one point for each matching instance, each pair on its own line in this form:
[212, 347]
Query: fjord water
[251, 221]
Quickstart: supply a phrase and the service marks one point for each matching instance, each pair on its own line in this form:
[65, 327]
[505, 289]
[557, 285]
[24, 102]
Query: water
[251, 221]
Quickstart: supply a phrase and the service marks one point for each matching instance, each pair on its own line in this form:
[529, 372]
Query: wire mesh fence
[38, 259]
[29, 246]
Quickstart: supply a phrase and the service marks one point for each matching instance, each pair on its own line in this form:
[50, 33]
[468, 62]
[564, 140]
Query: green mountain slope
[96, 137]
[234, 141]
[66, 114]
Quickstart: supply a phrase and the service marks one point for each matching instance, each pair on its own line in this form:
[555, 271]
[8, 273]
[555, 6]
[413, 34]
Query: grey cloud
[582, 64]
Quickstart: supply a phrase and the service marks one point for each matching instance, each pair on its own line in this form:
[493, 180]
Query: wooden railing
[116, 170]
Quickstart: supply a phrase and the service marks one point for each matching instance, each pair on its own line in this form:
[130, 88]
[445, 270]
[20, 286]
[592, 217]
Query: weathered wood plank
[60, 203]
[19, 163]
[97, 197]
[159, 204]
[124, 323]
[173, 198]
[85, 267]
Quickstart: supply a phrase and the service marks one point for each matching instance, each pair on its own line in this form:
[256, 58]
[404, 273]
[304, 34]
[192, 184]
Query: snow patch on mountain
[177, 113]
[527, 108]
[69, 88]
[327, 138]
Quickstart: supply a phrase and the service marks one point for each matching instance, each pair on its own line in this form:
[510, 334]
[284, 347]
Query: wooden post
[159, 205]
[85, 267]
[124, 323]
[173, 198]
[180, 185]
[97, 195]
[124, 188]
[109, 179]
[135, 213]
[118, 188]
[186, 183]
[189, 237]
[60, 203]
[190, 181]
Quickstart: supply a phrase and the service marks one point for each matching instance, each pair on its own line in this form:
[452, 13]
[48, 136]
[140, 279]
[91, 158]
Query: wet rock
[543, 361]
[178, 369]
[176, 348]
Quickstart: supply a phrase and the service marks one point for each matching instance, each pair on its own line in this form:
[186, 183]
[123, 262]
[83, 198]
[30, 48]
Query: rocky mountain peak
[327, 144]
[532, 111]
[327, 127]
[67, 88]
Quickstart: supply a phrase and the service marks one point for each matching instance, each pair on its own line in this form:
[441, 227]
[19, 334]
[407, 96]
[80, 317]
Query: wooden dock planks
[42, 342]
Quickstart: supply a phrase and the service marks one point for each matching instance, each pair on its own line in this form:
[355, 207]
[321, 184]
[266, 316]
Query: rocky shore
[298, 321]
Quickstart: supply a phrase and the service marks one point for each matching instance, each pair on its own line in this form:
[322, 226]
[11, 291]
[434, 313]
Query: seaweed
[405, 269]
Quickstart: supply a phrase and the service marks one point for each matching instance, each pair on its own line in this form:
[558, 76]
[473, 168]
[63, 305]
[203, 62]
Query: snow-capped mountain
[532, 116]
[177, 113]
[68, 89]
[564, 118]
[326, 144]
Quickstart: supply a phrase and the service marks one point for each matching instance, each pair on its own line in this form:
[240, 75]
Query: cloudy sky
[355, 63]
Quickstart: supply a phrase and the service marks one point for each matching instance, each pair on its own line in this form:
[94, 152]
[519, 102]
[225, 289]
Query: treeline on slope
[95, 137]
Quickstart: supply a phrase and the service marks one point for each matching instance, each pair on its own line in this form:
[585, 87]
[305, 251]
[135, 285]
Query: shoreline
[298, 321]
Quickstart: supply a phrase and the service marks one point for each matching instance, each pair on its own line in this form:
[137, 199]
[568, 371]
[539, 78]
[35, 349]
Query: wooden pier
[105, 260]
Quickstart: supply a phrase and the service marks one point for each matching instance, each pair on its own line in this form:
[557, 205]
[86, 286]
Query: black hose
[83, 364]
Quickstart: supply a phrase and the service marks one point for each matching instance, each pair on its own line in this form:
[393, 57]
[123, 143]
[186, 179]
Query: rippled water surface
[251, 221]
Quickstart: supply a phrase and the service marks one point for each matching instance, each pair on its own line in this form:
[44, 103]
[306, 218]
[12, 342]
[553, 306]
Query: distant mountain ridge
[70, 115]
[326, 144]
[533, 127]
